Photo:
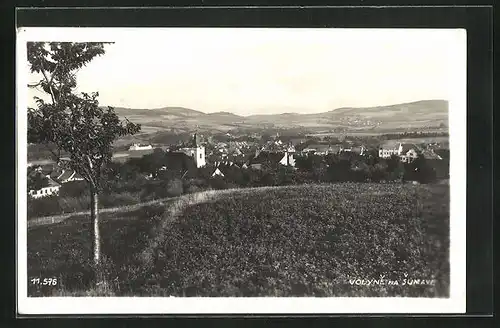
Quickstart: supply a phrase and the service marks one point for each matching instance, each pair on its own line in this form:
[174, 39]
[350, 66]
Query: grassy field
[316, 240]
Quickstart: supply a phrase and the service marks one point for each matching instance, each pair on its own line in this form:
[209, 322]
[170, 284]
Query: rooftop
[264, 157]
[52, 183]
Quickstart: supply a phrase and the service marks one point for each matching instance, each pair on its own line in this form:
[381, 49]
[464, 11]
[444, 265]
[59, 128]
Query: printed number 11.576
[44, 281]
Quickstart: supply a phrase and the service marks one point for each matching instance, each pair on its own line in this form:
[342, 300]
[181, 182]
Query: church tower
[196, 150]
[199, 151]
[195, 142]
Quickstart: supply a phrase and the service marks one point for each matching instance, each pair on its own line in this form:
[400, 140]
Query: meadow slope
[312, 240]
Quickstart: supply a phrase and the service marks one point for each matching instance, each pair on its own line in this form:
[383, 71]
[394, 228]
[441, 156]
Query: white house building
[409, 156]
[388, 152]
[51, 189]
[137, 146]
[406, 152]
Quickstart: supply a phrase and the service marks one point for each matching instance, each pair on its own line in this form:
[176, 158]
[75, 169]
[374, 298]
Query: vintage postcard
[241, 171]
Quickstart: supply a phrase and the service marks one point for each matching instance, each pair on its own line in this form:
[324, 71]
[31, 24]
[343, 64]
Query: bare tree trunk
[94, 218]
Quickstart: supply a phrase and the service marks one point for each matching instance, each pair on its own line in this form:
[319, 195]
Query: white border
[136, 305]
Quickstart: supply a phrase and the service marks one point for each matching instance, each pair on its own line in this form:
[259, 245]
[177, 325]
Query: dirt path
[175, 210]
[179, 204]
[52, 219]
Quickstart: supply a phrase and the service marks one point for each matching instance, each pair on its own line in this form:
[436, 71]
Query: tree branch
[57, 156]
[91, 170]
[82, 169]
[54, 73]
[34, 85]
[49, 83]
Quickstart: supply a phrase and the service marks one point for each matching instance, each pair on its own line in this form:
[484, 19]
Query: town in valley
[221, 163]
[197, 154]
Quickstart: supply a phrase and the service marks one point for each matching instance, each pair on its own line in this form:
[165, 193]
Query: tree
[285, 175]
[36, 180]
[360, 171]
[424, 172]
[175, 187]
[308, 163]
[398, 173]
[393, 163]
[151, 163]
[379, 171]
[74, 123]
[339, 169]
[395, 169]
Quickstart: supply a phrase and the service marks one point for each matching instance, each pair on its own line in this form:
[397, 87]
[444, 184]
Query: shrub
[174, 188]
[192, 189]
[114, 200]
[218, 183]
[74, 189]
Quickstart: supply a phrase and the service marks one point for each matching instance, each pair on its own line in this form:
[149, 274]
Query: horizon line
[281, 113]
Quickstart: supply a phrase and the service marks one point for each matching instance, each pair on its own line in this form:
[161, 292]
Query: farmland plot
[368, 240]
[309, 241]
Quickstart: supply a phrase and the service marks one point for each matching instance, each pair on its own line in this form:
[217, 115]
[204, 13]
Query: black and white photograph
[231, 170]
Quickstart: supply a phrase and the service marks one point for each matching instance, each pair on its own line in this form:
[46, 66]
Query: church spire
[196, 140]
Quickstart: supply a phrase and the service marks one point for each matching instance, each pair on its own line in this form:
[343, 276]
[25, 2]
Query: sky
[268, 71]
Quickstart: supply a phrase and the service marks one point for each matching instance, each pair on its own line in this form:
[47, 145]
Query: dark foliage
[175, 174]
[36, 180]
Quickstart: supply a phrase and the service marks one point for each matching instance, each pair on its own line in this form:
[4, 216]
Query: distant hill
[412, 115]
[412, 108]
[181, 111]
[174, 111]
[415, 110]
[226, 116]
